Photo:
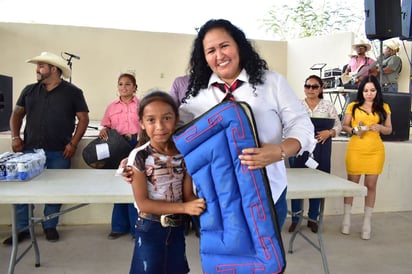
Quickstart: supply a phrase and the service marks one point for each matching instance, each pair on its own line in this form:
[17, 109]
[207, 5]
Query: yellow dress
[365, 155]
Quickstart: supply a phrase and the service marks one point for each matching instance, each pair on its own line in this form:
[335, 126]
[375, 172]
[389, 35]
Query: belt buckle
[128, 137]
[165, 221]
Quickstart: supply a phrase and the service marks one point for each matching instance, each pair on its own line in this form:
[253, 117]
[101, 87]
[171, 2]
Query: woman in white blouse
[318, 109]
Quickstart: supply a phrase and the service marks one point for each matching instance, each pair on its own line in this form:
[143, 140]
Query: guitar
[355, 76]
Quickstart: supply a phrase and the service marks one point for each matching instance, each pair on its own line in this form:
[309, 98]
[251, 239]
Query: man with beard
[50, 108]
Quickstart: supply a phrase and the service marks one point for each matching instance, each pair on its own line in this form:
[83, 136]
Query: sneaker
[21, 236]
[114, 235]
[51, 234]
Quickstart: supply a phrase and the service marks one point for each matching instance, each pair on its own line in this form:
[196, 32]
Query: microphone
[72, 55]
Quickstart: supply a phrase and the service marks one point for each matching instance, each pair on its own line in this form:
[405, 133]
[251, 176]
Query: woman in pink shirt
[121, 115]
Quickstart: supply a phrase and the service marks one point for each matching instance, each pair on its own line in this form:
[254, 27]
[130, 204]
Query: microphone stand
[69, 63]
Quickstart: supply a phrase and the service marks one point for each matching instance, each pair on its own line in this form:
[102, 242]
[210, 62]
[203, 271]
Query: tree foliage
[304, 18]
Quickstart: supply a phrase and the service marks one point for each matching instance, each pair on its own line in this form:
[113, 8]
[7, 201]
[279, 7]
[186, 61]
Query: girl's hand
[125, 171]
[195, 207]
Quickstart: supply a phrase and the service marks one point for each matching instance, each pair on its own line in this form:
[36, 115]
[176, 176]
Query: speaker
[406, 20]
[400, 105]
[6, 98]
[382, 19]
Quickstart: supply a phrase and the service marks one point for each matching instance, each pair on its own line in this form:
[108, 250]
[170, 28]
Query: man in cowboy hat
[361, 65]
[50, 107]
[391, 66]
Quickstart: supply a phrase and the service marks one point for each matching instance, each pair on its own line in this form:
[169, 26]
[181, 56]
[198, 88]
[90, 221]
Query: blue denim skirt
[158, 249]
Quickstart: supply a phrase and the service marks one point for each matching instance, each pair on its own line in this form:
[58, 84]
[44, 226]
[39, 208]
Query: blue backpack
[239, 229]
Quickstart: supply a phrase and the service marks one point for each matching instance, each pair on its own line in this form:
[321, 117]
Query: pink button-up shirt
[122, 117]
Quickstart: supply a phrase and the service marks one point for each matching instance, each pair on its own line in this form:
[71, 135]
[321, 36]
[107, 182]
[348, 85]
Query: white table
[305, 183]
[85, 186]
[64, 186]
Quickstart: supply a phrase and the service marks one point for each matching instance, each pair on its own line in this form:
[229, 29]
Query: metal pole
[380, 60]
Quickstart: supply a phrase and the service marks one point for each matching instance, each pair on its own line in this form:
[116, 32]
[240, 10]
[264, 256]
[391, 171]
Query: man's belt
[388, 84]
[130, 137]
[172, 220]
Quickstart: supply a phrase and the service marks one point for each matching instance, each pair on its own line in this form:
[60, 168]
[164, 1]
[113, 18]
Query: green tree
[304, 18]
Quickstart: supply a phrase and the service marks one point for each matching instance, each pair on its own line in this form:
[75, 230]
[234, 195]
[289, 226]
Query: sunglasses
[314, 87]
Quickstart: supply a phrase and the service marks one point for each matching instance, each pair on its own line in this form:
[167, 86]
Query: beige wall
[157, 57]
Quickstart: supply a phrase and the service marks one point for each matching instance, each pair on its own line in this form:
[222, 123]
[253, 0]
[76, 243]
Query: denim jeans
[313, 212]
[123, 218]
[54, 160]
[159, 250]
[390, 88]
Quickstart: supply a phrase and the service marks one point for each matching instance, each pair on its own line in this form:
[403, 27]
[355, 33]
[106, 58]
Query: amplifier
[332, 72]
[331, 82]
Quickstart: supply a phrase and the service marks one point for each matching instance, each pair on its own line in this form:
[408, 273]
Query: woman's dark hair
[377, 106]
[249, 59]
[320, 82]
[128, 75]
[154, 96]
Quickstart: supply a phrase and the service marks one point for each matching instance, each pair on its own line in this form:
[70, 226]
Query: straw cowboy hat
[54, 60]
[362, 44]
[392, 44]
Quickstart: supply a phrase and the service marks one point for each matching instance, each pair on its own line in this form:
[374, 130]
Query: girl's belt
[172, 220]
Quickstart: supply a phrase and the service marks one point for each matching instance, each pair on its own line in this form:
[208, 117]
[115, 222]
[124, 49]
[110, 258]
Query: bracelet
[72, 145]
[282, 154]
[15, 137]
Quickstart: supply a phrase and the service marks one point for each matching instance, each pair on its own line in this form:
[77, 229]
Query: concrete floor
[86, 249]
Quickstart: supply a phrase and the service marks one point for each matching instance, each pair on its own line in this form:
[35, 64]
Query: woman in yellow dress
[365, 118]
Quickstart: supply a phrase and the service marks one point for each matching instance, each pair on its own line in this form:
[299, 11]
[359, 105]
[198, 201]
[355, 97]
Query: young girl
[162, 190]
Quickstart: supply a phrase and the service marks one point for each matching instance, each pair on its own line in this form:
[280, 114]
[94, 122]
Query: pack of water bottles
[18, 166]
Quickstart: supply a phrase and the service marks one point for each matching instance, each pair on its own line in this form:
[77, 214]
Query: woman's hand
[360, 130]
[256, 158]
[376, 127]
[103, 134]
[323, 135]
